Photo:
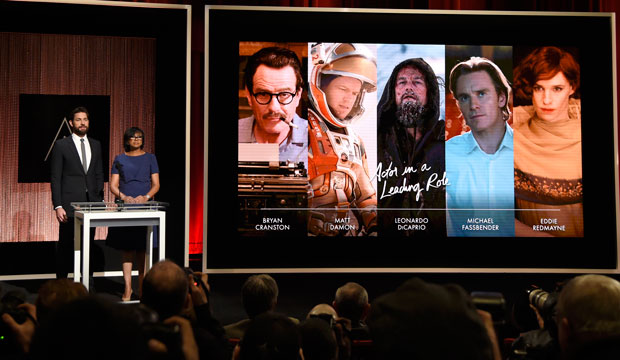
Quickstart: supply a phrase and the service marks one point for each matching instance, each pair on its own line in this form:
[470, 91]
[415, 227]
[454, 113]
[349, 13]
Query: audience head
[588, 310]
[351, 302]
[259, 294]
[165, 289]
[322, 309]
[428, 321]
[89, 327]
[270, 336]
[318, 340]
[55, 293]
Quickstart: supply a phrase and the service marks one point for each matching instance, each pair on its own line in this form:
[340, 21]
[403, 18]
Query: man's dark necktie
[84, 156]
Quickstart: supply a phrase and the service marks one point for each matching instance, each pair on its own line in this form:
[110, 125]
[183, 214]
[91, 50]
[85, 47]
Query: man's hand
[188, 343]
[199, 295]
[61, 215]
[23, 332]
[541, 321]
[487, 321]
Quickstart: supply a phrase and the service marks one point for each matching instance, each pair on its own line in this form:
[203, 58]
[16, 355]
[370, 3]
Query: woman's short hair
[130, 133]
[542, 64]
[475, 64]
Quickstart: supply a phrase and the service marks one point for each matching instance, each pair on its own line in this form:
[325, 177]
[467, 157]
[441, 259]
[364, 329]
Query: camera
[197, 281]
[543, 301]
[538, 342]
[152, 328]
[491, 302]
[8, 305]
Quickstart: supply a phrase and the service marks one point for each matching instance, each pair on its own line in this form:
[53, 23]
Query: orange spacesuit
[337, 160]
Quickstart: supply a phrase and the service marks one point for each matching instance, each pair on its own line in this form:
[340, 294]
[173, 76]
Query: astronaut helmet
[349, 68]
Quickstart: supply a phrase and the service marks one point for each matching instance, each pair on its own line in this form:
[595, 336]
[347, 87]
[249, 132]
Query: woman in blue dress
[134, 179]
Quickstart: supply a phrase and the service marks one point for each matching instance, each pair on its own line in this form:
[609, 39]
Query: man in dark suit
[76, 175]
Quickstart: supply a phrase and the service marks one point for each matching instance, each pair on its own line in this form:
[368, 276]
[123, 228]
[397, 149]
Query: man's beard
[80, 132]
[409, 113]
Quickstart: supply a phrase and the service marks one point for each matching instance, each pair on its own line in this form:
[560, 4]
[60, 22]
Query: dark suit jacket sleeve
[56, 166]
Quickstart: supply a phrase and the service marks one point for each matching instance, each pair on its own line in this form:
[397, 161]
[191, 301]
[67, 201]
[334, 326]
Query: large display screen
[448, 141]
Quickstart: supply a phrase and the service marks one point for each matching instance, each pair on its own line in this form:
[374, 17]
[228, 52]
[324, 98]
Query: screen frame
[185, 118]
[343, 12]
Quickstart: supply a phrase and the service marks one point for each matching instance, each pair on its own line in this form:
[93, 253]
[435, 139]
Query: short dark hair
[273, 57]
[475, 64]
[78, 109]
[318, 341]
[350, 301]
[55, 293]
[165, 288]
[259, 294]
[129, 133]
[270, 336]
[99, 327]
[418, 319]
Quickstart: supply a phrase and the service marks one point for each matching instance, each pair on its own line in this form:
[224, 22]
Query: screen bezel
[355, 24]
[132, 20]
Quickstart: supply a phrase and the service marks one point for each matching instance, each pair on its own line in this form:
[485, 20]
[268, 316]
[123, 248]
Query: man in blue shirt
[479, 163]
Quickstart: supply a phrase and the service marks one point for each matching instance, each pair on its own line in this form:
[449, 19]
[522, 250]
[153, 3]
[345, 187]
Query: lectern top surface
[99, 206]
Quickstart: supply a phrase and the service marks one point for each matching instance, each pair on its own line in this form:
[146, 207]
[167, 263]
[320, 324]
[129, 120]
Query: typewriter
[273, 196]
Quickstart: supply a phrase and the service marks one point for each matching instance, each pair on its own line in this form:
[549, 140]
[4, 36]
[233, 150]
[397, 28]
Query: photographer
[171, 291]
[541, 343]
[588, 317]
[22, 319]
[422, 320]
[19, 324]
[92, 327]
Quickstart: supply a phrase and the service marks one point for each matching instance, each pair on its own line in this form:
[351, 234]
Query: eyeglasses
[284, 98]
[136, 137]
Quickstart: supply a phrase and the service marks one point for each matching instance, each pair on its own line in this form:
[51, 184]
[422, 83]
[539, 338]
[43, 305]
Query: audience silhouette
[418, 320]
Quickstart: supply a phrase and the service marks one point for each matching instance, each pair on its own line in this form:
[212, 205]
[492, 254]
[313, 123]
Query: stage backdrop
[122, 68]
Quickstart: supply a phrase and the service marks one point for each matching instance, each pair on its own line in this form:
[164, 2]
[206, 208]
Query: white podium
[93, 214]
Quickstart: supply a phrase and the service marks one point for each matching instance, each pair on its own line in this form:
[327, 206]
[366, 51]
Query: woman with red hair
[547, 145]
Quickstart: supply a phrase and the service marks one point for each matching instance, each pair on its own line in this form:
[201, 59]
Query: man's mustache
[409, 96]
[274, 114]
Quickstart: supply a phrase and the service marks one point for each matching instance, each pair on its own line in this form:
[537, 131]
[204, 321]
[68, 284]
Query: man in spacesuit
[337, 159]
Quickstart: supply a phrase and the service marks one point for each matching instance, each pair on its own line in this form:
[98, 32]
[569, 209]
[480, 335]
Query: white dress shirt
[78, 145]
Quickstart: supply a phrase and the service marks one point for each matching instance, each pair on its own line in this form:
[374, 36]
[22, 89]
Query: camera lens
[538, 297]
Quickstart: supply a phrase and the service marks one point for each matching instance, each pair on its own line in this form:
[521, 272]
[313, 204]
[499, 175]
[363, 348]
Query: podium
[93, 214]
